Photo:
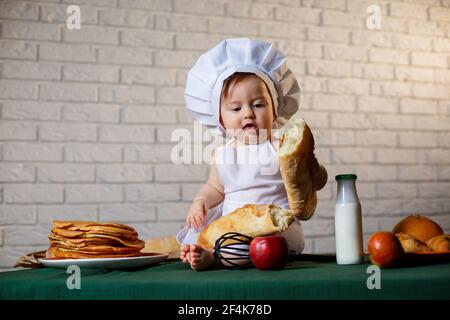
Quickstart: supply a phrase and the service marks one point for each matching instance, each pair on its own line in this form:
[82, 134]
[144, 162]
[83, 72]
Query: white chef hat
[205, 79]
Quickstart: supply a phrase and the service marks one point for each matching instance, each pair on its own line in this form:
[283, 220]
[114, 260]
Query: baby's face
[247, 110]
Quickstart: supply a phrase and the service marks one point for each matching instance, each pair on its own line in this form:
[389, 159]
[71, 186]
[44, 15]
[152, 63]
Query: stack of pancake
[88, 239]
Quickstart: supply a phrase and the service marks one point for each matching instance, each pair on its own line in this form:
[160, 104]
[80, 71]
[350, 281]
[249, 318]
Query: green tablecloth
[175, 280]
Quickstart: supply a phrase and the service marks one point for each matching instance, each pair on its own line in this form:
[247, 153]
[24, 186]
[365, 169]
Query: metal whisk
[232, 250]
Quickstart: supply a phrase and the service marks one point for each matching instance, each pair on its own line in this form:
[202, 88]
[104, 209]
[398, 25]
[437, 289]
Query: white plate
[108, 263]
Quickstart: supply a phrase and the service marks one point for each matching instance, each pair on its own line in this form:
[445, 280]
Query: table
[176, 281]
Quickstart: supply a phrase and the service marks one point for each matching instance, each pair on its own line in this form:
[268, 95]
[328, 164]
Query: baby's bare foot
[201, 259]
[184, 253]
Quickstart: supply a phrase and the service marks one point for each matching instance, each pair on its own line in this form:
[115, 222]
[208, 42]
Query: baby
[253, 93]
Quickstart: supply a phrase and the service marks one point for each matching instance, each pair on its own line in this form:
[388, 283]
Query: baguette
[251, 220]
[295, 155]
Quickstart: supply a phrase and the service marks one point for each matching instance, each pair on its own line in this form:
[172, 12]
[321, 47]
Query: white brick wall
[86, 115]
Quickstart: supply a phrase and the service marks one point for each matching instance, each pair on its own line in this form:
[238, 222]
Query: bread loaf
[419, 226]
[163, 245]
[251, 220]
[295, 155]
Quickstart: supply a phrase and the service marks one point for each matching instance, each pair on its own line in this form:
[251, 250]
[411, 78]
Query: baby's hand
[314, 166]
[318, 174]
[197, 213]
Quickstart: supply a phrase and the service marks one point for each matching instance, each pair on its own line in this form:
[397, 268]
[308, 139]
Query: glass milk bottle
[348, 221]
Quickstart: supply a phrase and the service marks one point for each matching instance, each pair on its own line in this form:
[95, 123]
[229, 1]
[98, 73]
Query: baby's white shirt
[250, 174]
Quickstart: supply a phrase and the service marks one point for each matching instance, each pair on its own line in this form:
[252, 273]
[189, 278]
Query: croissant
[295, 156]
[440, 243]
[411, 244]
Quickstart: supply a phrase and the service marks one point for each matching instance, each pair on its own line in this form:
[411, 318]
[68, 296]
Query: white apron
[249, 174]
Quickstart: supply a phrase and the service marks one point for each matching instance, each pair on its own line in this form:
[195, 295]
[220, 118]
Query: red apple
[267, 253]
[385, 249]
